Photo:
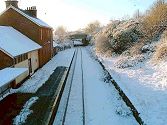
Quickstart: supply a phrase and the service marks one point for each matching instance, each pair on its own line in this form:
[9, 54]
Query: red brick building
[26, 22]
[18, 51]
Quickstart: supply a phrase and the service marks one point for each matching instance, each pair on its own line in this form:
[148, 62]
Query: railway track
[69, 92]
[83, 91]
[59, 93]
[72, 104]
[73, 68]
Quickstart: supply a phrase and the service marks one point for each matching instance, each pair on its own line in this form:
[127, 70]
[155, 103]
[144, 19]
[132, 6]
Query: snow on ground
[41, 76]
[75, 100]
[103, 105]
[144, 83]
[60, 113]
[102, 102]
[21, 118]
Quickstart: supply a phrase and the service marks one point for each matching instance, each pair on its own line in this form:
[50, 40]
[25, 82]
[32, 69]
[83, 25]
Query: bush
[161, 52]
[118, 36]
[124, 40]
[103, 45]
[155, 20]
[125, 35]
[136, 48]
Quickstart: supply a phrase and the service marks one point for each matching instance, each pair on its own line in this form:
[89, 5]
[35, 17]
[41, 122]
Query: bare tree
[158, 3]
[155, 20]
[60, 33]
[92, 27]
[103, 45]
[125, 17]
[137, 14]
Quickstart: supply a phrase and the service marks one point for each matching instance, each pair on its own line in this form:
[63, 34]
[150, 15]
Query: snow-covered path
[102, 103]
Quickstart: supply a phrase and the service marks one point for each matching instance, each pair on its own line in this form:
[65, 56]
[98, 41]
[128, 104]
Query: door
[30, 66]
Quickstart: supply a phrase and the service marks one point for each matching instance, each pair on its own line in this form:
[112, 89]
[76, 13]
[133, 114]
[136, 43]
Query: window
[21, 58]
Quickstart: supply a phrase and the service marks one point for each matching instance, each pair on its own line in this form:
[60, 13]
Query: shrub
[118, 36]
[136, 48]
[125, 39]
[161, 52]
[155, 20]
[103, 45]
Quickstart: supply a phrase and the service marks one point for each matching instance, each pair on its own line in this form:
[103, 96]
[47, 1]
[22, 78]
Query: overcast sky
[75, 14]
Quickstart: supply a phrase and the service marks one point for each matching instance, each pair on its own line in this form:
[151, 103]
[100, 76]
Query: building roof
[10, 74]
[14, 43]
[33, 19]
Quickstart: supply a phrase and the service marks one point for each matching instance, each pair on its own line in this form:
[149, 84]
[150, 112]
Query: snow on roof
[14, 43]
[35, 20]
[9, 74]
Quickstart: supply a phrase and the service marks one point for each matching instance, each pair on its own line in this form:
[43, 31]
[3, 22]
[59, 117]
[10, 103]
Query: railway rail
[75, 66]
[59, 93]
[69, 92]
[71, 82]
[83, 91]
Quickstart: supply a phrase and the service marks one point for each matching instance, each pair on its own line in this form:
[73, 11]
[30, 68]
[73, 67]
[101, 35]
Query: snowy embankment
[143, 82]
[103, 105]
[41, 76]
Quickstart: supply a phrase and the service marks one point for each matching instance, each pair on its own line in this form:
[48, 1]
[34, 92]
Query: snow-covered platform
[32, 88]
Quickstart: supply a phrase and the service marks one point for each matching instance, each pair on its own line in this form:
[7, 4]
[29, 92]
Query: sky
[76, 14]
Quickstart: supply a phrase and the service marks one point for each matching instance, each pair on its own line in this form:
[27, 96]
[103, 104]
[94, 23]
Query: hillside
[135, 53]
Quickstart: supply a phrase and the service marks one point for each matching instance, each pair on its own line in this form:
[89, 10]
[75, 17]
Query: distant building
[18, 51]
[26, 22]
[82, 36]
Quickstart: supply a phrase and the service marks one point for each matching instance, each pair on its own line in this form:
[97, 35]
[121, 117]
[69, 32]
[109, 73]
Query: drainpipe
[13, 62]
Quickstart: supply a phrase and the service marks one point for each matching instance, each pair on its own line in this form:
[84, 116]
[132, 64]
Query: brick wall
[5, 60]
[41, 35]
